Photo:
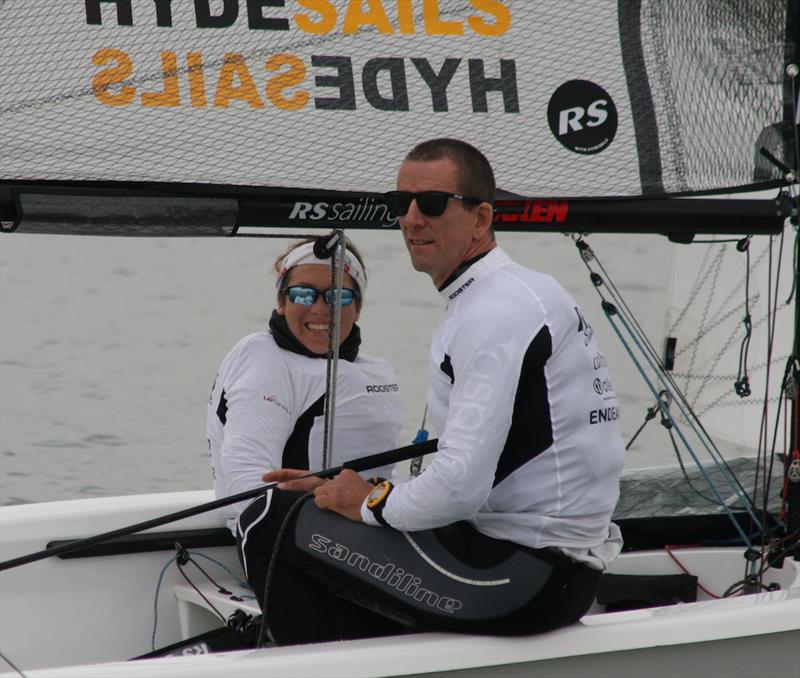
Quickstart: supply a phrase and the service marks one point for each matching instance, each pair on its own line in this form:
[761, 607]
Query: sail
[730, 318]
[639, 97]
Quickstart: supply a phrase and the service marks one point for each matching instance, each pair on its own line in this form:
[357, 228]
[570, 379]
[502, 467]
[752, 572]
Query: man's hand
[287, 477]
[344, 494]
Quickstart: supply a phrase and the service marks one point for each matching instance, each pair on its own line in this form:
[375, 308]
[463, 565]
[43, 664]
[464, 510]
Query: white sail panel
[566, 99]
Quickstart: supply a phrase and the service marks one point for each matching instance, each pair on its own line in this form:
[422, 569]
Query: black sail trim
[645, 126]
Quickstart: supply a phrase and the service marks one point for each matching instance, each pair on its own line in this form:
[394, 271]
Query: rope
[772, 308]
[642, 343]
[169, 562]
[668, 548]
[200, 593]
[726, 472]
[190, 555]
[742, 384]
[686, 475]
[644, 346]
[651, 414]
[11, 664]
[234, 576]
[264, 630]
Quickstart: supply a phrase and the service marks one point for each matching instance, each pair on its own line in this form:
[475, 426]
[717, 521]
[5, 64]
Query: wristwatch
[376, 500]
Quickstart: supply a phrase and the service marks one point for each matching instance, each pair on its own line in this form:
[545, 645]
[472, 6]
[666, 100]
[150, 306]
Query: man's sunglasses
[306, 296]
[430, 203]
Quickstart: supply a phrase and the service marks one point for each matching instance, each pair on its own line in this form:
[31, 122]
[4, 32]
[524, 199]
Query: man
[508, 529]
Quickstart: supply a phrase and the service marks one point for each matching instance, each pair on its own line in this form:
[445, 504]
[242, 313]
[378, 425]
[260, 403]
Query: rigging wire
[221, 565]
[795, 264]
[648, 417]
[767, 450]
[199, 592]
[587, 254]
[765, 453]
[708, 274]
[184, 556]
[11, 664]
[685, 474]
[169, 562]
[190, 556]
[643, 343]
[742, 383]
[610, 312]
[663, 401]
[657, 359]
[263, 631]
[792, 461]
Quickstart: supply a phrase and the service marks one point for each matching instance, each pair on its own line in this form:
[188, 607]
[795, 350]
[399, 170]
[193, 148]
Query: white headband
[305, 255]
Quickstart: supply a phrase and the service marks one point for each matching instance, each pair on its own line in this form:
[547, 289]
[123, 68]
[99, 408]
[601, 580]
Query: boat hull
[82, 616]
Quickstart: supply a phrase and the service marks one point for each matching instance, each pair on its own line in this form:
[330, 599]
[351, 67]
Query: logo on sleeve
[584, 327]
[272, 399]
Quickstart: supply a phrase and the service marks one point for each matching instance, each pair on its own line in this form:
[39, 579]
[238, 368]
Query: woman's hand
[288, 479]
[344, 494]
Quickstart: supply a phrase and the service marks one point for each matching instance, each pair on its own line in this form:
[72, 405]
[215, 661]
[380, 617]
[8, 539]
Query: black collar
[463, 267]
[286, 340]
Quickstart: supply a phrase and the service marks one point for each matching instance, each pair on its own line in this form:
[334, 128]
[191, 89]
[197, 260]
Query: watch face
[378, 494]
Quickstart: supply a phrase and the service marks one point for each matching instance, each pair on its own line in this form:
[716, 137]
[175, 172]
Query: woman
[267, 403]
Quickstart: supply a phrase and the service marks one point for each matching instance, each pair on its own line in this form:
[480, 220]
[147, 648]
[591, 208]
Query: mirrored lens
[347, 296]
[306, 296]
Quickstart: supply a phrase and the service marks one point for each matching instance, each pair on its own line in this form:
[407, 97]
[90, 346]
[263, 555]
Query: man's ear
[281, 307]
[484, 217]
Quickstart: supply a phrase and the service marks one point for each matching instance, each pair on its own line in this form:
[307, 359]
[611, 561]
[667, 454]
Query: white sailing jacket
[530, 448]
[266, 411]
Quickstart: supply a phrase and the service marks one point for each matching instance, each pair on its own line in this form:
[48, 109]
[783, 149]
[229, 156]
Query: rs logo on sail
[364, 210]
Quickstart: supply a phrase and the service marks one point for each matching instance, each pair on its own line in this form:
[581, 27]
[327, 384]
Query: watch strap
[376, 501]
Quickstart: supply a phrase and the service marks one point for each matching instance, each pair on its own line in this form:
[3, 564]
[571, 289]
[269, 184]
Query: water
[108, 346]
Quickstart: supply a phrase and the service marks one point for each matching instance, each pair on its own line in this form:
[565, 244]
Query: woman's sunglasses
[430, 203]
[306, 296]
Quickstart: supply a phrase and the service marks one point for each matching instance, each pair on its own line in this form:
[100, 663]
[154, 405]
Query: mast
[792, 461]
[334, 247]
